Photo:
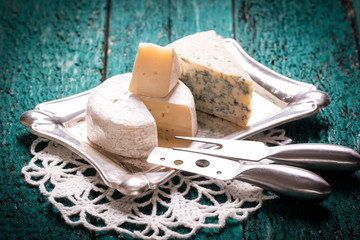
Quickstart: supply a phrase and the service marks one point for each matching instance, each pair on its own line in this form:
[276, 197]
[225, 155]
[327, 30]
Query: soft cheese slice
[156, 70]
[118, 121]
[219, 84]
[175, 114]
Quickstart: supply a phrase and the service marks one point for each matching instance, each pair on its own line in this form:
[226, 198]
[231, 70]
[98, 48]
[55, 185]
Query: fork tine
[230, 149]
[210, 152]
[220, 153]
[220, 142]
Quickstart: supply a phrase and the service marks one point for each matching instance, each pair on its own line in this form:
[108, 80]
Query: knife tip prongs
[219, 143]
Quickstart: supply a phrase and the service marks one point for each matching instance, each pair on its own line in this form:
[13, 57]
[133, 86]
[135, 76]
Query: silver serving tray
[276, 100]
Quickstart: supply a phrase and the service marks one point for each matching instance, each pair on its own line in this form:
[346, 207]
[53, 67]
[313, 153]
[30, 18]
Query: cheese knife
[283, 180]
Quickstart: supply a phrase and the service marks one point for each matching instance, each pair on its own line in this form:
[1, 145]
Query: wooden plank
[311, 41]
[315, 46]
[188, 17]
[58, 45]
[49, 50]
[132, 22]
[356, 27]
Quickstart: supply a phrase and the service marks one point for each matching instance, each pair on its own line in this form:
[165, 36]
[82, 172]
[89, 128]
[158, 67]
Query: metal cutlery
[233, 159]
[313, 156]
[282, 180]
[62, 120]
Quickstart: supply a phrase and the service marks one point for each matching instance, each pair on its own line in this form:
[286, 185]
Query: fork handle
[286, 181]
[317, 156]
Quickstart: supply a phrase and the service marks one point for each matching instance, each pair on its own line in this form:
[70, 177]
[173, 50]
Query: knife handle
[286, 181]
[317, 156]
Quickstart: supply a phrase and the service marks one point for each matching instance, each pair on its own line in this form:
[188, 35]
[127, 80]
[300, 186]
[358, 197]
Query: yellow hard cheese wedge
[175, 114]
[156, 70]
[218, 82]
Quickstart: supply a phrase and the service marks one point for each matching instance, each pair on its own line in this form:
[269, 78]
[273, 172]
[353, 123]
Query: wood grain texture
[148, 21]
[132, 22]
[310, 41]
[49, 50]
[53, 49]
[356, 23]
[188, 17]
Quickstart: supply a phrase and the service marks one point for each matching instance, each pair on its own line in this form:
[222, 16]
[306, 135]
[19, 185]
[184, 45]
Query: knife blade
[196, 163]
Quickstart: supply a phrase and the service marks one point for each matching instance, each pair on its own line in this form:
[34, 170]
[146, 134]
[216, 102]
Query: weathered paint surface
[310, 41]
[49, 50]
[52, 49]
[132, 22]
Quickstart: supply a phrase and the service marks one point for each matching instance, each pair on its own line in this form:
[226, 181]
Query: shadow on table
[26, 139]
[343, 186]
[288, 208]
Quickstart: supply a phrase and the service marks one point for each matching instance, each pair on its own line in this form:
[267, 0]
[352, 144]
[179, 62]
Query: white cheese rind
[127, 124]
[118, 121]
[156, 70]
[217, 81]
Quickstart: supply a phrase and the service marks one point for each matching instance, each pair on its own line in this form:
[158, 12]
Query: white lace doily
[179, 208]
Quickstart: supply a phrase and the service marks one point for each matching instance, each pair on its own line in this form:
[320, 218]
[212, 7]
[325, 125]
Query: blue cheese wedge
[219, 84]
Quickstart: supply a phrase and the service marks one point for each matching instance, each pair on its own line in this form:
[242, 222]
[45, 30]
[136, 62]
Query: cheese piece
[127, 124]
[175, 114]
[219, 84]
[119, 122]
[156, 70]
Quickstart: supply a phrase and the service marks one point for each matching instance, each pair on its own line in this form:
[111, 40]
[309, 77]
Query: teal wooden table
[54, 49]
